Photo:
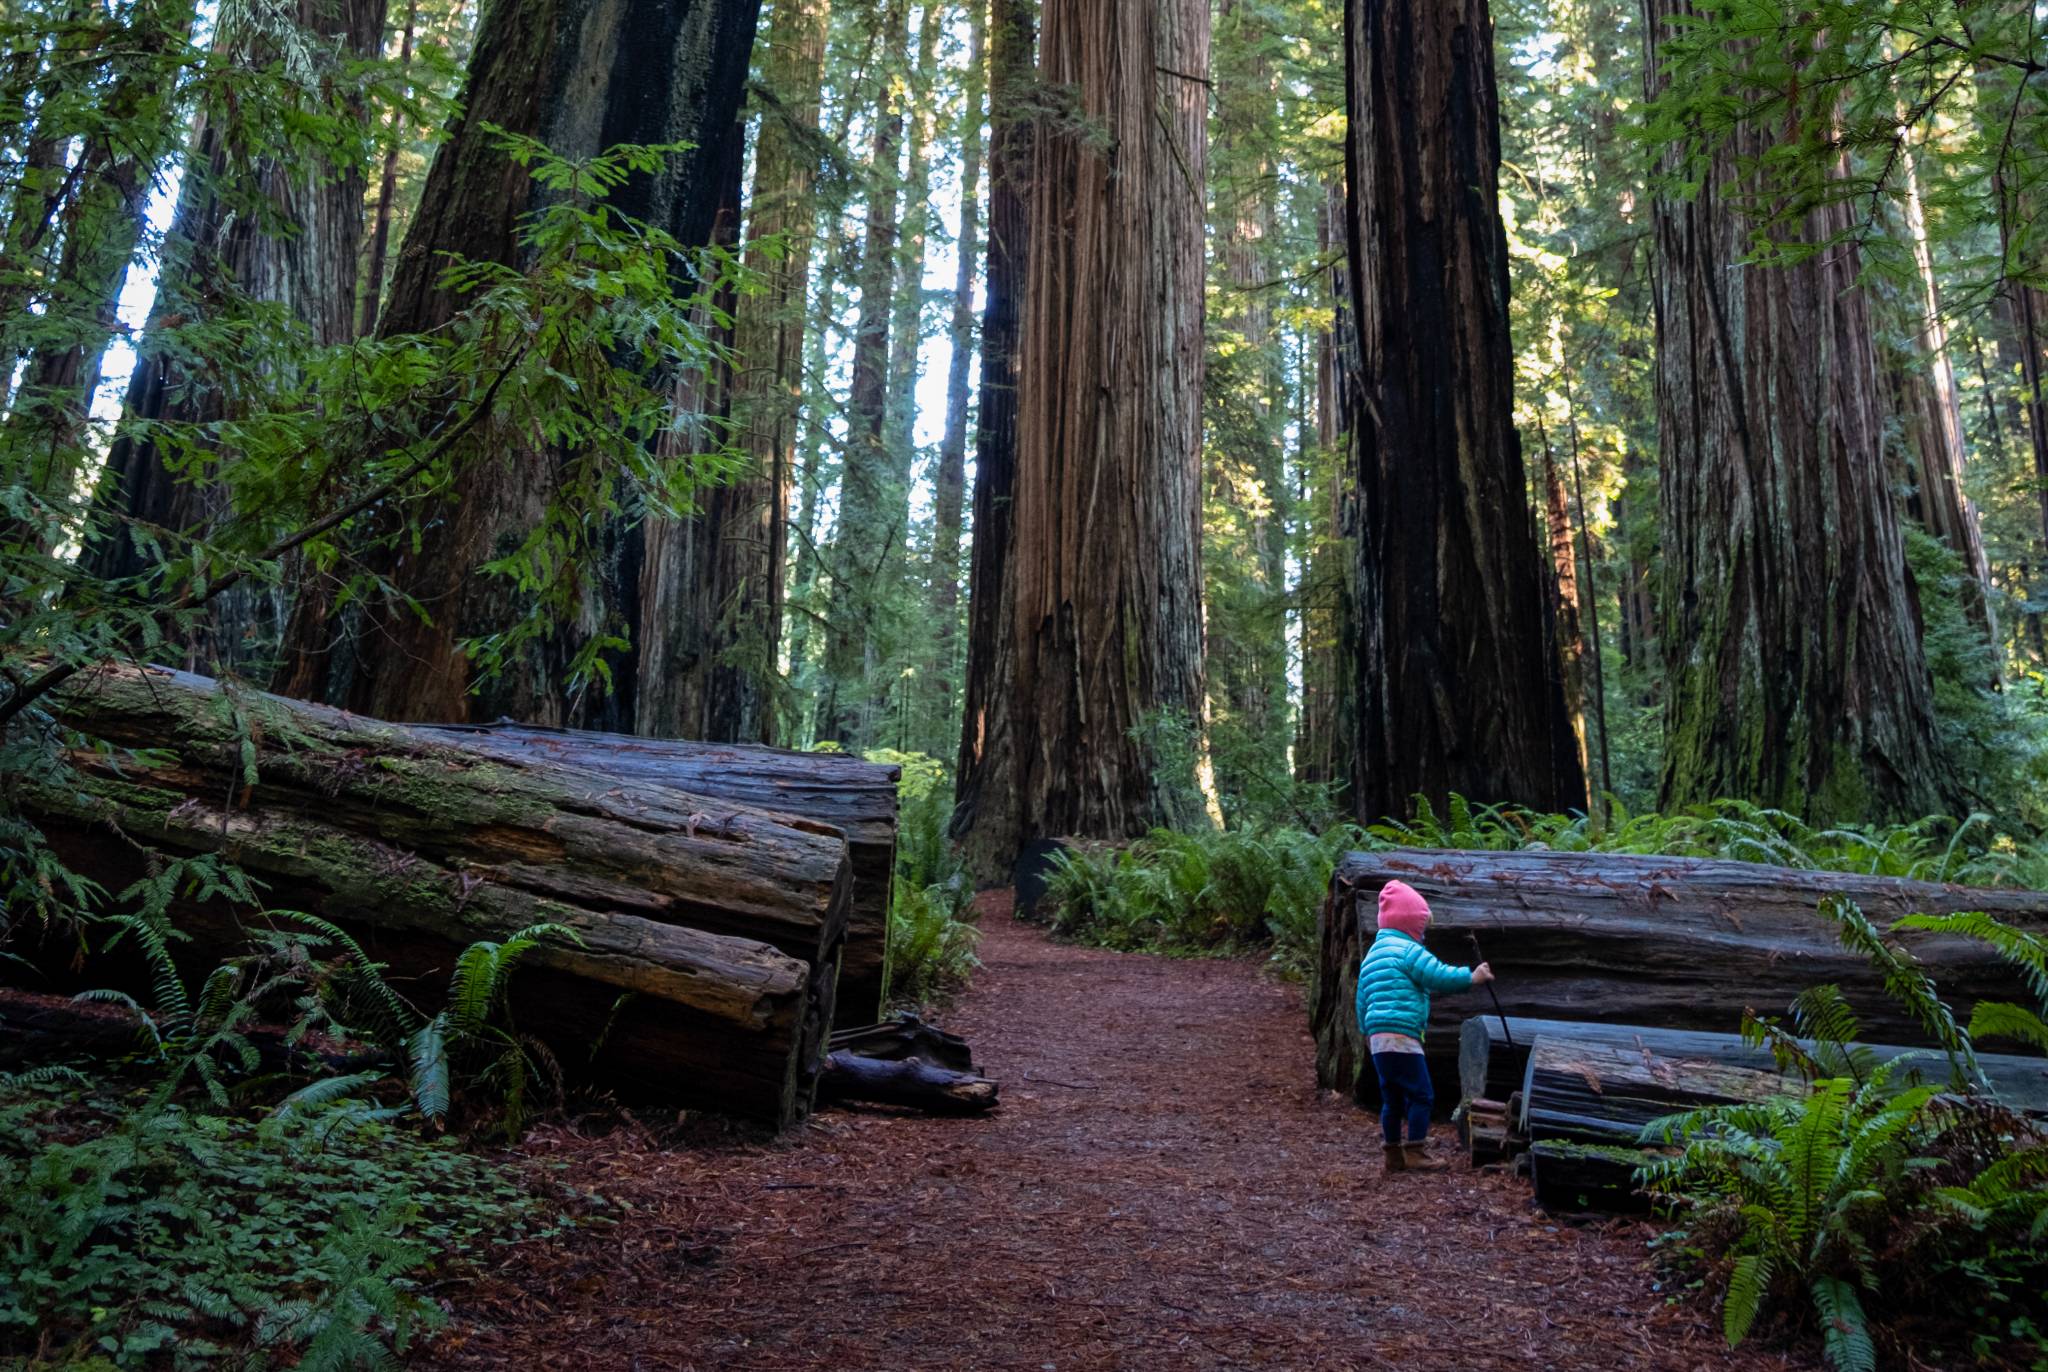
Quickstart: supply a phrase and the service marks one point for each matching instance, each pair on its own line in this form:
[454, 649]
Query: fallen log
[904, 1037]
[1588, 1091]
[843, 793]
[905, 1081]
[707, 935]
[38, 1029]
[1489, 1066]
[1674, 943]
[1586, 1176]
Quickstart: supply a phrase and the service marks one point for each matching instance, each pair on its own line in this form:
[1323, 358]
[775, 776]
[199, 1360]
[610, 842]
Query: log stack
[1674, 943]
[831, 792]
[707, 934]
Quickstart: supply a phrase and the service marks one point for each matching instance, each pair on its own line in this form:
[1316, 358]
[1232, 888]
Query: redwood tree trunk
[1795, 675]
[1320, 754]
[580, 75]
[951, 484]
[870, 488]
[1107, 566]
[1921, 382]
[1455, 668]
[217, 248]
[985, 815]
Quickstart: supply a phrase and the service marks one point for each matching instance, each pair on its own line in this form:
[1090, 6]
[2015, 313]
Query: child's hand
[1482, 974]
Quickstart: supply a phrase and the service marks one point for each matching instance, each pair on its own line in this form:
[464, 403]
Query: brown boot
[1397, 1161]
[1416, 1158]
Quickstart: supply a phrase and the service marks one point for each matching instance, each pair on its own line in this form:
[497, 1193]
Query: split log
[905, 1081]
[1587, 1091]
[848, 795]
[709, 933]
[1489, 1065]
[1674, 943]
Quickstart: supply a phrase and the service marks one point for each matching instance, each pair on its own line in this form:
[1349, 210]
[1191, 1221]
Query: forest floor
[1163, 1187]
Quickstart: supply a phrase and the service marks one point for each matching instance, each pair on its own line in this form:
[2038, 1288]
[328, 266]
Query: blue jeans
[1405, 1092]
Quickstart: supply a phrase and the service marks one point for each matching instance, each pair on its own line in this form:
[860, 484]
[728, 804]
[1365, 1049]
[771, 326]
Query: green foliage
[931, 941]
[138, 1228]
[1206, 891]
[1869, 1182]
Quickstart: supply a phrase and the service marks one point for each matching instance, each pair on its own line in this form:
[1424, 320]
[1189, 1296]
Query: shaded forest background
[1157, 415]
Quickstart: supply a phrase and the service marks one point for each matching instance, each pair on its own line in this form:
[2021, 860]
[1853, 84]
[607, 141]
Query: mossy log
[832, 791]
[709, 933]
[1671, 943]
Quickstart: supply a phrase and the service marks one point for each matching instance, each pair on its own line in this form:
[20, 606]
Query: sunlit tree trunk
[1320, 754]
[1794, 668]
[86, 229]
[1455, 667]
[950, 485]
[1107, 695]
[1564, 580]
[868, 531]
[581, 75]
[985, 813]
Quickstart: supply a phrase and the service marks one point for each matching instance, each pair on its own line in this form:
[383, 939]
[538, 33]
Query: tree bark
[1107, 565]
[1641, 940]
[725, 923]
[769, 339]
[1455, 669]
[853, 798]
[1321, 753]
[1795, 675]
[703, 592]
[985, 789]
[1564, 580]
[1921, 392]
[580, 75]
[871, 485]
[949, 497]
[387, 193]
[1492, 1067]
[299, 253]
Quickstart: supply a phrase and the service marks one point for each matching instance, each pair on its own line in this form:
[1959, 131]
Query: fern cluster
[1874, 1198]
[142, 1229]
[1204, 891]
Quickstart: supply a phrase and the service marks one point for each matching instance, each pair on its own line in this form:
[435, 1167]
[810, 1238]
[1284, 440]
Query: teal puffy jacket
[1394, 983]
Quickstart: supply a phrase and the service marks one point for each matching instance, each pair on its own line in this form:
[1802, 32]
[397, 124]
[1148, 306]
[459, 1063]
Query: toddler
[1394, 983]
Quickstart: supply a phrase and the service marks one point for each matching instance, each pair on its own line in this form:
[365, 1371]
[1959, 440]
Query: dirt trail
[1163, 1188]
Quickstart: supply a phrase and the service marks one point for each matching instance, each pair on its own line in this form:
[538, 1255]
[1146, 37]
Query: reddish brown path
[1162, 1188]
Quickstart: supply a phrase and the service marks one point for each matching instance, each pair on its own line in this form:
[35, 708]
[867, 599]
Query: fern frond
[2022, 948]
[1844, 1328]
[2001, 1019]
[325, 1092]
[427, 1050]
[1747, 1284]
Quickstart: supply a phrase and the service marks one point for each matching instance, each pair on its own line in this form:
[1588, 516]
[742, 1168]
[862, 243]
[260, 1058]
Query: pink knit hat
[1403, 908]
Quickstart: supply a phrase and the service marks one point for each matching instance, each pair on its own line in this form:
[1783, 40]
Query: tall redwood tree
[1796, 677]
[1452, 657]
[580, 75]
[1106, 571]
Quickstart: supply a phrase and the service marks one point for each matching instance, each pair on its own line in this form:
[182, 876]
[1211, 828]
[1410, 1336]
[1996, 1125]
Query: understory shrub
[152, 1231]
[1887, 1206]
[931, 941]
[1199, 892]
[1210, 890]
